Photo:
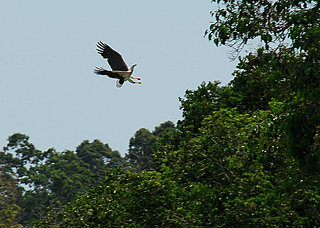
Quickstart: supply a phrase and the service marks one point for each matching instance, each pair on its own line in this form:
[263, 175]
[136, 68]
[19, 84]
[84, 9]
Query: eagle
[120, 69]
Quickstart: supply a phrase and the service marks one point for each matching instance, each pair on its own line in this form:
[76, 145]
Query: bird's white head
[131, 68]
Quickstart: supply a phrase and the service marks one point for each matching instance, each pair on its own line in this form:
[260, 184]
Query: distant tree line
[33, 181]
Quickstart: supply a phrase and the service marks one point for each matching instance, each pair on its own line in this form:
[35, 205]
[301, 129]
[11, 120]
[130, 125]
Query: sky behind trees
[48, 89]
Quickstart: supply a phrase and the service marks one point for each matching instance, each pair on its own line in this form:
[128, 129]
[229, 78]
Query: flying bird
[120, 69]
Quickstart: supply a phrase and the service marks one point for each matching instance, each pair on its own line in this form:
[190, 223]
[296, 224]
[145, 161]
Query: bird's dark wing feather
[110, 74]
[114, 58]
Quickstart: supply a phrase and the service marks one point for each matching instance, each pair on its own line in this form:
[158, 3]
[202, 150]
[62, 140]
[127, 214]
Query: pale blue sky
[49, 92]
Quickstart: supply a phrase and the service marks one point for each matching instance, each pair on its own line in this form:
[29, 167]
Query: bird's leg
[130, 80]
[134, 77]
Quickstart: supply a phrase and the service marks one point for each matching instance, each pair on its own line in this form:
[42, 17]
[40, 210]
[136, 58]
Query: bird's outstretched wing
[114, 58]
[110, 74]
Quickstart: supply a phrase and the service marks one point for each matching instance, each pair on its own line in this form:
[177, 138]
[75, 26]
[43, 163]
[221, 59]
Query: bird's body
[120, 70]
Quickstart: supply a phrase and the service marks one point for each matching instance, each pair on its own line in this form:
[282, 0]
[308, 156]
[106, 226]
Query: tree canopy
[40, 180]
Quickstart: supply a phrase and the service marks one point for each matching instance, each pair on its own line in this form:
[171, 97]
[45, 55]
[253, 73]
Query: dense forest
[246, 154]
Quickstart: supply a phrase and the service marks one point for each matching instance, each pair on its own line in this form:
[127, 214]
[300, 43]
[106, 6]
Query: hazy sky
[49, 92]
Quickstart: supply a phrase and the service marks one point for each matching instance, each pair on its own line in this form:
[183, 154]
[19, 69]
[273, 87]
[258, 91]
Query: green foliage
[239, 21]
[266, 75]
[51, 179]
[130, 200]
[98, 157]
[8, 200]
[164, 128]
[141, 152]
[301, 125]
[287, 73]
[196, 105]
[293, 79]
[241, 159]
[224, 176]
